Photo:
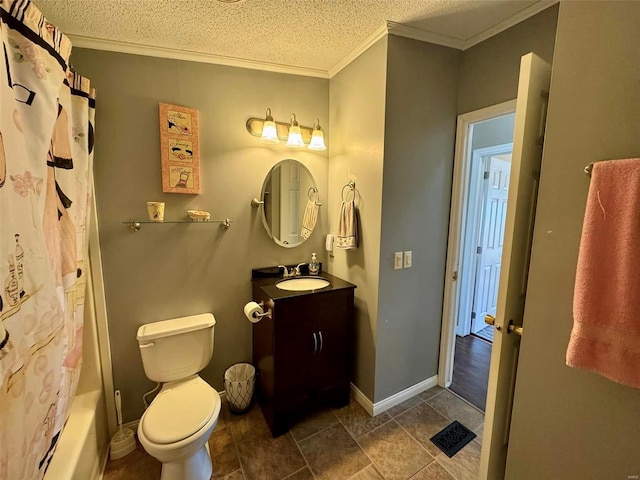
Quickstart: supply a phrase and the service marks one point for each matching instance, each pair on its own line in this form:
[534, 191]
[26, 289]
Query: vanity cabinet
[303, 353]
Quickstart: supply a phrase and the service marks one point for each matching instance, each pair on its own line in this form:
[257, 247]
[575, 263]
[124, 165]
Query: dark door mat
[452, 438]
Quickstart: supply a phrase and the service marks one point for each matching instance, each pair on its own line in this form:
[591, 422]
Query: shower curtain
[46, 143]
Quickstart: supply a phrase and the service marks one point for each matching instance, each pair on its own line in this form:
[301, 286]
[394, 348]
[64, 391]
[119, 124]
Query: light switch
[397, 260]
[407, 259]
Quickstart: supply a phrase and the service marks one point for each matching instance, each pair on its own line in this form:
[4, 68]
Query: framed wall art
[179, 149]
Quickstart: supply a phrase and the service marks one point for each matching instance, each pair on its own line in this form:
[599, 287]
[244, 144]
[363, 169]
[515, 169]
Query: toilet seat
[179, 412]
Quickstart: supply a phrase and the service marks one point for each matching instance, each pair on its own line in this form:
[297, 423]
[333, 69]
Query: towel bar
[588, 169]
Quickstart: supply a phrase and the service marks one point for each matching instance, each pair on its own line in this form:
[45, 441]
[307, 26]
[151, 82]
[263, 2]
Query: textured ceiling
[313, 34]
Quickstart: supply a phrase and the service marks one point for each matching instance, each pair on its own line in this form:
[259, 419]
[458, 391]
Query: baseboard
[133, 425]
[362, 399]
[377, 408]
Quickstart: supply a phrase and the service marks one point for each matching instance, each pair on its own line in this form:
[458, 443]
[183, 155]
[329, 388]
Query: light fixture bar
[254, 127]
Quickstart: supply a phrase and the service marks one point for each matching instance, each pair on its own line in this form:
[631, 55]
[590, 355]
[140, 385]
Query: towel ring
[351, 186]
[312, 195]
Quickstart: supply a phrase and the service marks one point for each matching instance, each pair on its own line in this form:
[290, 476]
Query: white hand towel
[310, 218]
[347, 237]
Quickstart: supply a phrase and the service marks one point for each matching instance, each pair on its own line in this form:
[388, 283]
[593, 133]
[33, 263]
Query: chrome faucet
[296, 271]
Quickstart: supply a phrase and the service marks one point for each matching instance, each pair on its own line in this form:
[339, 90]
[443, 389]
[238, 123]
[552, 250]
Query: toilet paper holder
[265, 314]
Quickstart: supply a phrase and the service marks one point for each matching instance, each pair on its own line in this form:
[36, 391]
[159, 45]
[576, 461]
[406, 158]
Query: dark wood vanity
[304, 352]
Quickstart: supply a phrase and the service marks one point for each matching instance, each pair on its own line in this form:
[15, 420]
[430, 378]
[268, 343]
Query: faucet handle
[297, 269]
[285, 272]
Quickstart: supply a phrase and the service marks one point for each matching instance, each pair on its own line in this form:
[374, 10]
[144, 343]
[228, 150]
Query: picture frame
[179, 148]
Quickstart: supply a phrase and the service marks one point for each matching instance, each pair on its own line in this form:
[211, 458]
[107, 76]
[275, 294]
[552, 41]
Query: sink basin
[299, 284]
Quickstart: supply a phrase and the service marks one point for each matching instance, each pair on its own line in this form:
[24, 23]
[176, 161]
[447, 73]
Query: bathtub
[83, 447]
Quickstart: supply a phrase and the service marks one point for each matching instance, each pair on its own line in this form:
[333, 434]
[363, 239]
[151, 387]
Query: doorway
[476, 238]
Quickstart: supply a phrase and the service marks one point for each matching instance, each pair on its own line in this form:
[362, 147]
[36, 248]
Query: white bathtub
[82, 449]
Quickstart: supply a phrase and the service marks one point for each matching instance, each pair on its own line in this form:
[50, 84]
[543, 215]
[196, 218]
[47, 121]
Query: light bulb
[269, 130]
[317, 137]
[295, 135]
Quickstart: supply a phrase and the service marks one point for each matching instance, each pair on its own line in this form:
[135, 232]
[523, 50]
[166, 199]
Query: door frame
[471, 231]
[457, 222]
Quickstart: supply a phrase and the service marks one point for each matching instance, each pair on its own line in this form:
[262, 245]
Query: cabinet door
[332, 361]
[294, 347]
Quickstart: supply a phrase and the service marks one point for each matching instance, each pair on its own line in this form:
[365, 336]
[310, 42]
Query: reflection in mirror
[286, 191]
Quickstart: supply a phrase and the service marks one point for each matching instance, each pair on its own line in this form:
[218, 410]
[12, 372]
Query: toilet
[175, 428]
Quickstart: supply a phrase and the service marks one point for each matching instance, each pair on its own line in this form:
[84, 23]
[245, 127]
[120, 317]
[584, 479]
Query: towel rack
[351, 186]
[312, 195]
[588, 169]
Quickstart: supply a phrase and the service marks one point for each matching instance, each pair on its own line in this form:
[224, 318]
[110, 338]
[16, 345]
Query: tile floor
[345, 443]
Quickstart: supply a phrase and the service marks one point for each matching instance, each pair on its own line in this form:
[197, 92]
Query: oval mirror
[286, 191]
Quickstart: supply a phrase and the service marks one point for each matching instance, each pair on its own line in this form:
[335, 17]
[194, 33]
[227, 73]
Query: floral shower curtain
[46, 144]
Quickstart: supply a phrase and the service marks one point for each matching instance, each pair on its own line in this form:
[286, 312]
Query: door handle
[321, 342]
[315, 343]
[514, 329]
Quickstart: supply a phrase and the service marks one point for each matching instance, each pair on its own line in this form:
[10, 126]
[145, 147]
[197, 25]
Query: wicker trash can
[239, 382]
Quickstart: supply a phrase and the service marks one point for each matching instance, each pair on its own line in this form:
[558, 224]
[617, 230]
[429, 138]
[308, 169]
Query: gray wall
[489, 73]
[569, 423]
[357, 99]
[420, 124]
[167, 271]
[496, 131]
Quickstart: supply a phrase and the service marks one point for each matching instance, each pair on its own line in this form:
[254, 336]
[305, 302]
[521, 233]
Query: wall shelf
[135, 225]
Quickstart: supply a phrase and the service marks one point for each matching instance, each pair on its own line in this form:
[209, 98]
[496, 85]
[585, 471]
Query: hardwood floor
[471, 370]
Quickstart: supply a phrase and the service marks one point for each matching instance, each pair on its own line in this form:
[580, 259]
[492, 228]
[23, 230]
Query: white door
[290, 203]
[494, 214]
[533, 87]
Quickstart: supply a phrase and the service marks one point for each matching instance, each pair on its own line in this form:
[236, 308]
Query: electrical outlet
[407, 259]
[397, 260]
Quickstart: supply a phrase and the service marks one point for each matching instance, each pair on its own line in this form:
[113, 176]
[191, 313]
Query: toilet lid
[179, 412]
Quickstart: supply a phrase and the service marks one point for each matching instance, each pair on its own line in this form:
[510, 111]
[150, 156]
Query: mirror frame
[266, 226]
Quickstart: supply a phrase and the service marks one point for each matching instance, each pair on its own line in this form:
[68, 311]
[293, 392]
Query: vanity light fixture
[269, 130]
[295, 135]
[317, 137]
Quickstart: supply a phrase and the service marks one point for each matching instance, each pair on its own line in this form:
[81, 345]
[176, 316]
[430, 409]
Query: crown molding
[407, 31]
[359, 50]
[163, 52]
[388, 27]
[401, 30]
[509, 22]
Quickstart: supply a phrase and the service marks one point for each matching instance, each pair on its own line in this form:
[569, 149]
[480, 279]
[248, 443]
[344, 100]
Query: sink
[299, 284]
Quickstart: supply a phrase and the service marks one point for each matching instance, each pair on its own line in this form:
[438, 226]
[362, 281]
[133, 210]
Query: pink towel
[606, 304]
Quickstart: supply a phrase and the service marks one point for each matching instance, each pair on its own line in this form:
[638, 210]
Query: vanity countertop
[268, 285]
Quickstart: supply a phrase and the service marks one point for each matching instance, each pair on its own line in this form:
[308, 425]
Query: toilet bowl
[176, 427]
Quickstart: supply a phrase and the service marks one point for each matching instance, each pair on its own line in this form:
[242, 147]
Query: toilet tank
[177, 348]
